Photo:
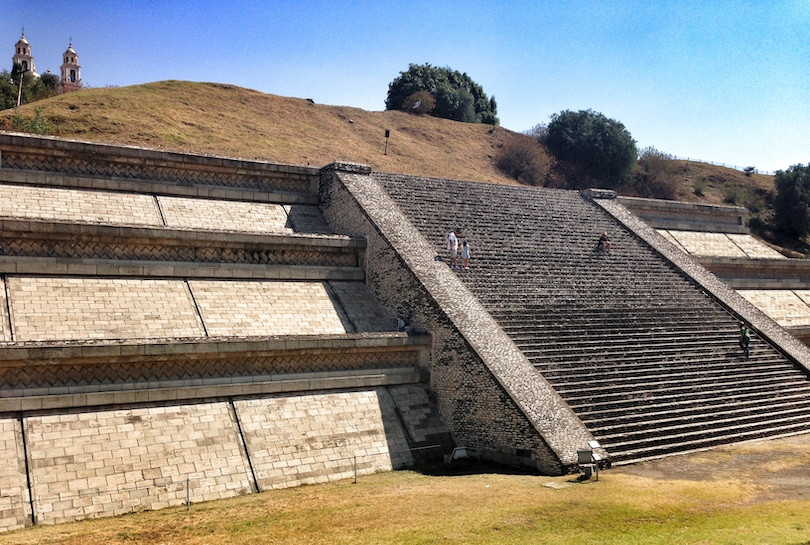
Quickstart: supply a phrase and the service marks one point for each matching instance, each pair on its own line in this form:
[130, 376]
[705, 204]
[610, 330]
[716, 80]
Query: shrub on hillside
[523, 159]
[39, 124]
[602, 148]
[457, 96]
[655, 176]
[420, 102]
[792, 202]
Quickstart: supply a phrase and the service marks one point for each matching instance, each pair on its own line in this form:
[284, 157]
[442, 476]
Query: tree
[603, 148]
[457, 96]
[8, 91]
[792, 202]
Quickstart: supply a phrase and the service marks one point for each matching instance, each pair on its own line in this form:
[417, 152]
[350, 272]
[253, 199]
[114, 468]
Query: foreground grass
[410, 508]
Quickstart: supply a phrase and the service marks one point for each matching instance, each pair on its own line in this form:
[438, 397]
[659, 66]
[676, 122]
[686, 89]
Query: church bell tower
[71, 71]
[23, 57]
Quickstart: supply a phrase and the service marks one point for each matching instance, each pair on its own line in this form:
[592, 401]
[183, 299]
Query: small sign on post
[387, 134]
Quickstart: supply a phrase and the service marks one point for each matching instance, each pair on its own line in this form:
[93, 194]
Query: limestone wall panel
[707, 244]
[81, 206]
[205, 214]
[361, 307]
[316, 438]
[268, 308]
[786, 307]
[753, 248]
[5, 324]
[100, 463]
[14, 509]
[55, 308]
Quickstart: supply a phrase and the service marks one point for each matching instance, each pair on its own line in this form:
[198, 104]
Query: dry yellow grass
[749, 493]
[235, 122]
[231, 121]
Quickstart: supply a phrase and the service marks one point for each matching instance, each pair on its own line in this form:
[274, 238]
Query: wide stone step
[642, 395]
[694, 359]
[705, 415]
[617, 381]
[620, 318]
[685, 382]
[630, 370]
[633, 409]
[590, 351]
[678, 442]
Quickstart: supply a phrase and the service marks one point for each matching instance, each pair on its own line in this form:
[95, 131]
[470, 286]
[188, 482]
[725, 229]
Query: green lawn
[411, 508]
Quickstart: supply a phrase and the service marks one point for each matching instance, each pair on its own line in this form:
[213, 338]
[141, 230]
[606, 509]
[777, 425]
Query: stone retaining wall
[688, 216]
[108, 461]
[102, 162]
[79, 308]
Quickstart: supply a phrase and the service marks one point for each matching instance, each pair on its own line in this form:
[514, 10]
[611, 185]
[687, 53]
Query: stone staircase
[643, 355]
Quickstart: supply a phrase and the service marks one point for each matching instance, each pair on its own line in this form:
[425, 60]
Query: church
[71, 72]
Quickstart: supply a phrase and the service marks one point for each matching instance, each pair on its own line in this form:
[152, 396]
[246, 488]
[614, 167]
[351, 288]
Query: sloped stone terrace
[642, 354]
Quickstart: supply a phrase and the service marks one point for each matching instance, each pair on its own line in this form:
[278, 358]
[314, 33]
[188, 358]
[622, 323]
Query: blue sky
[724, 81]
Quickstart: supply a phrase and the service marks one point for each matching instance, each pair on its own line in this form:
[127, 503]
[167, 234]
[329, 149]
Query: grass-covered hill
[226, 120]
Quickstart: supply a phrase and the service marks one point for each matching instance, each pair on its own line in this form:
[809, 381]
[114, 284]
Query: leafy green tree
[792, 202]
[50, 81]
[8, 91]
[601, 147]
[457, 96]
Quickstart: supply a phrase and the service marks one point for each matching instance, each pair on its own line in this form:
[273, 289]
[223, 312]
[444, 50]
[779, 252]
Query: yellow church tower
[71, 71]
[23, 57]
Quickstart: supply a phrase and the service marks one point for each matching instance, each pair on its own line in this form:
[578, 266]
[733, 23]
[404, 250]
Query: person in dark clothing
[604, 243]
[745, 340]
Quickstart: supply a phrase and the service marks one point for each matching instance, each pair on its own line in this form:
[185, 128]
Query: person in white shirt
[465, 255]
[452, 247]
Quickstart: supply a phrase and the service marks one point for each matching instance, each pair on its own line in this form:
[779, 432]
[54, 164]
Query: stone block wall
[92, 463]
[59, 308]
[64, 309]
[688, 216]
[316, 438]
[489, 394]
[15, 509]
[103, 166]
[116, 460]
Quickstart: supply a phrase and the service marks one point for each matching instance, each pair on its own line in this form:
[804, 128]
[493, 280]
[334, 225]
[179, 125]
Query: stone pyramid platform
[175, 324]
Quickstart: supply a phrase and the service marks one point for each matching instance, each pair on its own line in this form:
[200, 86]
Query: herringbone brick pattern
[77, 165]
[73, 373]
[14, 494]
[316, 438]
[85, 464]
[101, 308]
[78, 205]
[244, 308]
[185, 252]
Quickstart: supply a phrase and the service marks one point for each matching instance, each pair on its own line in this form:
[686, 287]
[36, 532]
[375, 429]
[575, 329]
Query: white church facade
[71, 73]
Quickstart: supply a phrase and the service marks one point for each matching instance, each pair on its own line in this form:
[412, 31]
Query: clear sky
[725, 81]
